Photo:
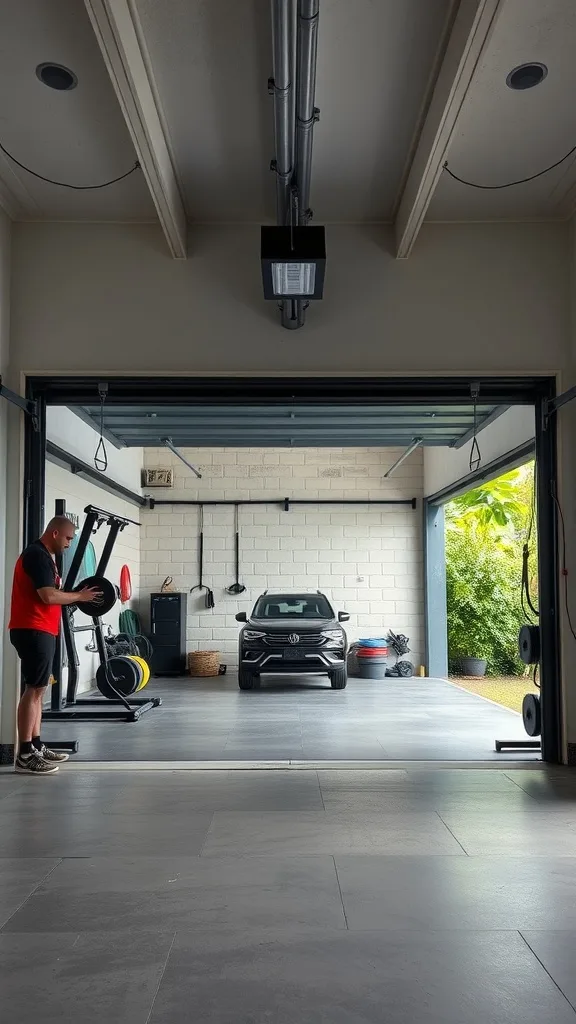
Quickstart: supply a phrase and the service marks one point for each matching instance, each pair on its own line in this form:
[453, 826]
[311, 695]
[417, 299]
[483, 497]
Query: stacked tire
[372, 655]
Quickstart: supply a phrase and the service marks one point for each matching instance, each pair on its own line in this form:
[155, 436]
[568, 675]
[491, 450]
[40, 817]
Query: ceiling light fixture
[293, 262]
[56, 76]
[526, 76]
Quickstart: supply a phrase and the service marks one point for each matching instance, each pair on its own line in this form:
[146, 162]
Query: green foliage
[485, 532]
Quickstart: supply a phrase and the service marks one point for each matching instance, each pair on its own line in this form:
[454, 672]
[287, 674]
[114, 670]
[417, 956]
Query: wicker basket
[203, 663]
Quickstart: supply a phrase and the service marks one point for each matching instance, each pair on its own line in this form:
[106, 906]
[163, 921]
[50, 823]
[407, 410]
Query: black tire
[245, 680]
[338, 679]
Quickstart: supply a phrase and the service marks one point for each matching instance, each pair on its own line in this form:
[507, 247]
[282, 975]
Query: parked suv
[295, 634]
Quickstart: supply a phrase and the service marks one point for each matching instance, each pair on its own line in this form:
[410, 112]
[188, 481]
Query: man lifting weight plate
[35, 616]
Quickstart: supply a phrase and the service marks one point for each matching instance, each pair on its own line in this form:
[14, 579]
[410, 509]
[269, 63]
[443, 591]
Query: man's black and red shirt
[34, 569]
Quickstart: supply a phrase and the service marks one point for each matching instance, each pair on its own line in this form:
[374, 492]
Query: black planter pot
[471, 667]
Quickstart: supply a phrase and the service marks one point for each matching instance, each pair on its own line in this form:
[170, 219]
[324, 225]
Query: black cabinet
[168, 623]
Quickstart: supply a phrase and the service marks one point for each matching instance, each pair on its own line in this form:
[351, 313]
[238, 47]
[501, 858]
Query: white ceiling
[209, 62]
[212, 60]
[504, 135]
[78, 136]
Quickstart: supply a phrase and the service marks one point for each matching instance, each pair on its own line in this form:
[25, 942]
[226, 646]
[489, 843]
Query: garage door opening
[293, 501]
[491, 593]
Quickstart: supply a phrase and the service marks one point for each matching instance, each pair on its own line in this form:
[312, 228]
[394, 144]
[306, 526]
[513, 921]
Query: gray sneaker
[53, 756]
[34, 764]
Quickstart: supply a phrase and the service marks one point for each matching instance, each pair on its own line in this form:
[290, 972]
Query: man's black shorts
[36, 652]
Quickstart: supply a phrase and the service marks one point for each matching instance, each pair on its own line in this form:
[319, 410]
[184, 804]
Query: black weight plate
[531, 714]
[119, 674]
[107, 601]
[529, 644]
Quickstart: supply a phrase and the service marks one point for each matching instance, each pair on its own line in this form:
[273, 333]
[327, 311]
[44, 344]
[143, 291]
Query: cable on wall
[507, 184]
[65, 184]
[525, 598]
[564, 570]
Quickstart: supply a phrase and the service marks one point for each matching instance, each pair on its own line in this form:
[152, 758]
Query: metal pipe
[168, 442]
[283, 36]
[288, 501]
[411, 448]
[306, 113]
[284, 13]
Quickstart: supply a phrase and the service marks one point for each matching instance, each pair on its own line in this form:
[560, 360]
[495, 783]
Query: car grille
[306, 639]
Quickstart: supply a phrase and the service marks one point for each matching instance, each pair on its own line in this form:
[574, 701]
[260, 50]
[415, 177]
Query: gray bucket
[372, 668]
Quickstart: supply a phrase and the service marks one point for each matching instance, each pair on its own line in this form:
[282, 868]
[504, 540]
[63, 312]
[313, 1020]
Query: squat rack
[61, 709]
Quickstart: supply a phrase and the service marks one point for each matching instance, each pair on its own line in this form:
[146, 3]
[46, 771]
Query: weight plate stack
[532, 714]
[529, 644]
[145, 669]
[119, 675]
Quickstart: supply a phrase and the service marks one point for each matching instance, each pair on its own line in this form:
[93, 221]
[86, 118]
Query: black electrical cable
[508, 184]
[564, 566]
[525, 585]
[65, 184]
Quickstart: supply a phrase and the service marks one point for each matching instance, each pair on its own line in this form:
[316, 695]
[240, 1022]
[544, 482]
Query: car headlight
[252, 634]
[333, 634]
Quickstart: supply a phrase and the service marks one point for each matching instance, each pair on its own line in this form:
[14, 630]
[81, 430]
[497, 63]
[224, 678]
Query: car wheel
[245, 680]
[338, 679]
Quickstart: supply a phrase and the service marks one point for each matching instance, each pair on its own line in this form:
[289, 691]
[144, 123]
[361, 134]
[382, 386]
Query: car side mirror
[343, 617]
[241, 617]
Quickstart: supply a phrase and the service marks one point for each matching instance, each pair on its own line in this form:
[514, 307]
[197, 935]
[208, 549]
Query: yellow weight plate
[145, 670]
[139, 668]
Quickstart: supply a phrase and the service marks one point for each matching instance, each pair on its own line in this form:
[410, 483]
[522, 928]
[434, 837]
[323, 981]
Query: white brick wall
[368, 560]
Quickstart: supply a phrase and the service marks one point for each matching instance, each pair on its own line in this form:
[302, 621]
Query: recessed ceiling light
[56, 76]
[526, 76]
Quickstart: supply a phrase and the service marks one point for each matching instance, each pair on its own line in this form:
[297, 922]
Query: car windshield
[285, 607]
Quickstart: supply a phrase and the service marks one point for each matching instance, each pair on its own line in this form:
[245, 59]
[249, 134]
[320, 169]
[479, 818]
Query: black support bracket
[25, 404]
[552, 405]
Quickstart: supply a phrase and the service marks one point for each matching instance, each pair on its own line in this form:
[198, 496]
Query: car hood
[293, 625]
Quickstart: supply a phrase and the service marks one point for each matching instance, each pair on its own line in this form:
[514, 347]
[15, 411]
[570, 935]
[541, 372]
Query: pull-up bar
[287, 502]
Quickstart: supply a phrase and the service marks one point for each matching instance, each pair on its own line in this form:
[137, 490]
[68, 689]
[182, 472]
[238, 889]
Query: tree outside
[487, 531]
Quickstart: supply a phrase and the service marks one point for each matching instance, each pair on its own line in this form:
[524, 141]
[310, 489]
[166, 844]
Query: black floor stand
[89, 709]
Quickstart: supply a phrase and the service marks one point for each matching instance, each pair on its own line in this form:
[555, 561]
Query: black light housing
[293, 262]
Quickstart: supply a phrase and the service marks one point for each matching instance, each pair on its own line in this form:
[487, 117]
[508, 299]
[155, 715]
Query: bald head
[58, 535]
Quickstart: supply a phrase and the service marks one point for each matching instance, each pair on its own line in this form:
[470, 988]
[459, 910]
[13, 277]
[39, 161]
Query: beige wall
[471, 297]
[5, 240]
[475, 298]
[566, 418]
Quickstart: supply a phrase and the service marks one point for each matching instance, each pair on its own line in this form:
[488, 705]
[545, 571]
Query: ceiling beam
[120, 38]
[471, 29]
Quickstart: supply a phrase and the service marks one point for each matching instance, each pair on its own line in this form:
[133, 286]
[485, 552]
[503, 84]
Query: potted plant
[468, 666]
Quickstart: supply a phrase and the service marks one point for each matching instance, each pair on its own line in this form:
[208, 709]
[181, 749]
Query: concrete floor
[333, 897]
[291, 720]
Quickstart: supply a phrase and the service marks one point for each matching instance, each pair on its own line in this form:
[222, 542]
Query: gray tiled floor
[442, 896]
[287, 720]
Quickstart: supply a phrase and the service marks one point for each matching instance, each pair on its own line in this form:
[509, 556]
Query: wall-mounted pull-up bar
[285, 502]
